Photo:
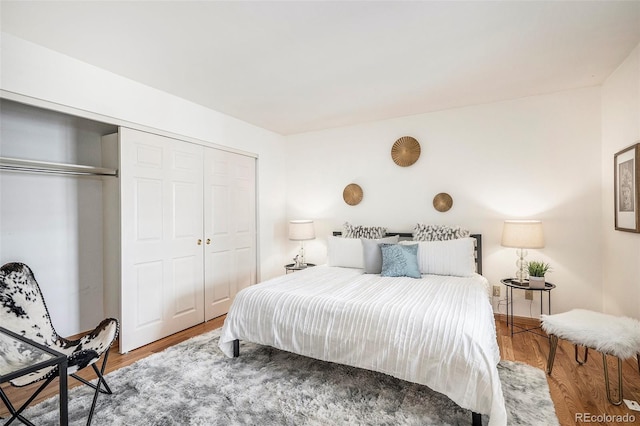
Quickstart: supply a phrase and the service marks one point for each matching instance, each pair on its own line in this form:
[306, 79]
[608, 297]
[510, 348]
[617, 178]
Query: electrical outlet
[496, 291]
[633, 405]
[528, 294]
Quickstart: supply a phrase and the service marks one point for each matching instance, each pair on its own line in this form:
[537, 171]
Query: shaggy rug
[193, 383]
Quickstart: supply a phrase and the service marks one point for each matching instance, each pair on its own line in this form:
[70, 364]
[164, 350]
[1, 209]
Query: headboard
[406, 236]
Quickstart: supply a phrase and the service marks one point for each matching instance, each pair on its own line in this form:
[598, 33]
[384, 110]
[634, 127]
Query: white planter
[536, 282]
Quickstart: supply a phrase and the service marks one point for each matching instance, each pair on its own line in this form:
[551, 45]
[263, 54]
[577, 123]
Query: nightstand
[511, 284]
[291, 267]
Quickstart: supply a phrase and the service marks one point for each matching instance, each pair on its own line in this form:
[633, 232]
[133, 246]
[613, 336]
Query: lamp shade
[522, 234]
[301, 230]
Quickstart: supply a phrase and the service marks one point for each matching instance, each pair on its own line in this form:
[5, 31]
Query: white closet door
[230, 228]
[162, 256]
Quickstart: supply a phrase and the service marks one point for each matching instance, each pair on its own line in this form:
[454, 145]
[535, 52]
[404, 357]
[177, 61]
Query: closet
[51, 211]
[154, 230]
[187, 233]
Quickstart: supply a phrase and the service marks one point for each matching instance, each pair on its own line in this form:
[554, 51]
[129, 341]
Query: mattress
[437, 331]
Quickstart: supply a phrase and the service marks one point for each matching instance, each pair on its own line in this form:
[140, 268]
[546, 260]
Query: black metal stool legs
[606, 380]
[98, 386]
[552, 352]
[586, 354]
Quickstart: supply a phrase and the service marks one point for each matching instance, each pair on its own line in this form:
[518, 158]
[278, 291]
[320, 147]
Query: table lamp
[522, 234]
[301, 230]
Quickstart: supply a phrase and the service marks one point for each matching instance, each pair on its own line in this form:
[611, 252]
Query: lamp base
[521, 272]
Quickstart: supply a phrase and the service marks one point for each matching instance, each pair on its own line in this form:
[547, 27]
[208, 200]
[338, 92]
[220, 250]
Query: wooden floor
[575, 390]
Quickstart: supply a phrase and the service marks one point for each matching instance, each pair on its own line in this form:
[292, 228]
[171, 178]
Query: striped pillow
[423, 232]
[359, 231]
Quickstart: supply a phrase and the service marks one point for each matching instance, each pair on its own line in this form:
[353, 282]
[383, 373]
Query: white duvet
[438, 331]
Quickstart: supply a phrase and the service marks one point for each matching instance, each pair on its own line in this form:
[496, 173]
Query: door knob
[208, 240]
[199, 242]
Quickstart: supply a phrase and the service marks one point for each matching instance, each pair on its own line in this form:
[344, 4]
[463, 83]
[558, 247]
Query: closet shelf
[19, 164]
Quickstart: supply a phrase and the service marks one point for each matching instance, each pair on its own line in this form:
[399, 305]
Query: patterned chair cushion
[23, 311]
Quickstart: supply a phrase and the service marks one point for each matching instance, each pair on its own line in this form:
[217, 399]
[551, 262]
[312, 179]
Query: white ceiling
[292, 67]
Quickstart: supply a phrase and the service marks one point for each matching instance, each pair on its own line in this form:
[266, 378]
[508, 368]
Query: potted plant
[537, 270]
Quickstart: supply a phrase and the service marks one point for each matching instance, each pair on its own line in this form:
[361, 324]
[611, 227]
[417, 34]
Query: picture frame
[626, 172]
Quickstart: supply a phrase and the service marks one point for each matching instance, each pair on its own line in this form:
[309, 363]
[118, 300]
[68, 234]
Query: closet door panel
[218, 219]
[186, 289]
[219, 260]
[229, 208]
[183, 235]
[245, 271]
[222, 282]
[148, 191]
[245, 235]
[148, 209]
[162, 261]
[142, 292]
[147, 288]
[244, 206]
[187, 286]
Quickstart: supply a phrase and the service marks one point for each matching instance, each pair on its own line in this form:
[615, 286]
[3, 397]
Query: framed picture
[627, 189]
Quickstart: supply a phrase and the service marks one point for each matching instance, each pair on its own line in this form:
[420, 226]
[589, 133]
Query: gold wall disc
[405, 151]
[442, 202]
[352, 194]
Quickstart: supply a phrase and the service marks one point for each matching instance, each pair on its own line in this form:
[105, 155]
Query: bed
[437, 330]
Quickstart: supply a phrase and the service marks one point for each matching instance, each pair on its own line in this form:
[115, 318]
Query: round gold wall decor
[405, 151]
[442, 202]
[352, 194]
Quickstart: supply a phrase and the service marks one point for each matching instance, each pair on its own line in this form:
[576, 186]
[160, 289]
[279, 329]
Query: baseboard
[528, 321]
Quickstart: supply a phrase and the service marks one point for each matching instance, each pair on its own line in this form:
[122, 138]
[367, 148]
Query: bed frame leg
[236, 348]
[476, 419]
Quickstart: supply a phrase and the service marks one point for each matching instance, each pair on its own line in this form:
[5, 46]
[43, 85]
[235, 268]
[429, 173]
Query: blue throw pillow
[400, 260]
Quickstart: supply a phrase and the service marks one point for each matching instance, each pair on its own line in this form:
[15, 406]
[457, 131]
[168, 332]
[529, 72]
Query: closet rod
[22, 165]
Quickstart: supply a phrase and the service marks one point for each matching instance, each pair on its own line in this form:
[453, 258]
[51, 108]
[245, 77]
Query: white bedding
[438, 331]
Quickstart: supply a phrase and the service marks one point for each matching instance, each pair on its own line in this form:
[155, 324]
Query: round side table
[291, 267]
[512, 284]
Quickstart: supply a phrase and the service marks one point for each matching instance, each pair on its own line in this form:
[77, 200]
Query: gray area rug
[193, 383]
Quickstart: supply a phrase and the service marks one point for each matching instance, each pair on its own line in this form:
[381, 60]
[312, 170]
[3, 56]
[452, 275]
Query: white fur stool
[608, 334]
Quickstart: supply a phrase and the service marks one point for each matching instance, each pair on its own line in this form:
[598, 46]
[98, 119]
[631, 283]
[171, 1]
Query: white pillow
[345, 252]
[450, 257]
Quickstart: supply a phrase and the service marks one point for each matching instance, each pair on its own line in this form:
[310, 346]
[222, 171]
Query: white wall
[620, 129]
[31, 70]
[537, 157]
